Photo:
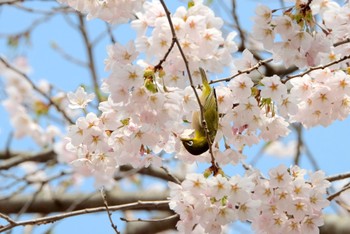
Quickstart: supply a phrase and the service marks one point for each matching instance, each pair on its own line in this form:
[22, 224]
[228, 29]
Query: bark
[334, 224]
[151, 227]
[45, 204]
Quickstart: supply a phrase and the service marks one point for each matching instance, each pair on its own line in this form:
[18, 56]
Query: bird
[199, 143]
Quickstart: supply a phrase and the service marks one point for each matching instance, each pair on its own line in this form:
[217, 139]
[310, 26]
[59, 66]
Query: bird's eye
[189, 143]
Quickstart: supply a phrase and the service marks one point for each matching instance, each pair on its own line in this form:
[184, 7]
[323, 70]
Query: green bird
[199, 143]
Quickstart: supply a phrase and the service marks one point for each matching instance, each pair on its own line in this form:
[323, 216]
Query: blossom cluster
[25, 107]
[322, 97]
[111, 11]
[289, 202]
[200, 37]
[147, 103]
[284, 203]
[213, 202]
[145, 110]
[252, 117]
[293, 37]
[121, 136]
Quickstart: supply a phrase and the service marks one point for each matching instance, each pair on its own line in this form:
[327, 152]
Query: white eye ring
[190, 143]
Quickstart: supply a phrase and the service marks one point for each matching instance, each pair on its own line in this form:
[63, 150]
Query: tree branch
[338, 177]
[347, 40]
[152, 227]
[317, 68]
[156, 172]
[298, 128]
[104, 197]
[151, 205]
[15, 159]
[335, 224]
[91, 59]
[246, 71]
[336, 194]
[68, 56]
[238, 25]
[47, 204]
[150, 220]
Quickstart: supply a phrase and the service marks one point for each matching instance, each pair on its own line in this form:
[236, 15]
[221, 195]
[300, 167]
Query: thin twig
[334, 195]
[110, 33]
[91, 59]
[150, 220]
[347, 40]
[102, 35]
[68, 57]
[70, 22]
[317, 68]
[30, 201]
[26, 179]
[238, 25]
[338, 177]
[311, 157]
[159, 65]
[32, 26]
[80, 200]
[153, 172]
[18, 191]
[246, 166]
[344, 205]
[20, 6]
[171, 175]
[8, 144]
[300, 143]
[260, 153]
[36, 193]
[103, 194]
[7, 218]
[246, 71]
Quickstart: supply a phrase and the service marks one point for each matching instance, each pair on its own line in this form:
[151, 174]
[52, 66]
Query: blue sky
[328, 145]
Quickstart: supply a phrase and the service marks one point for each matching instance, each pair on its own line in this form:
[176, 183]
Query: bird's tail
[204, 78]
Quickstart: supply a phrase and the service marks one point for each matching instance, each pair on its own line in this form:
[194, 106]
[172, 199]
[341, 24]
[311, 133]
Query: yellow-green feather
[199, 143]
[210, 108]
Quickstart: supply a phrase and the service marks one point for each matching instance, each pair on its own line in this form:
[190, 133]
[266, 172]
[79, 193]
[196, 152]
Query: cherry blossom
[26, 107]
[79, 99]
[150, 101]
[110, 11]
[218, 201]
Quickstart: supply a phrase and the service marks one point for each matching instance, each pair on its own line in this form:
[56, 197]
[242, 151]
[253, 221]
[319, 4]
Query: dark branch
[91, 60]
[46, 204]
[144, 205]
[16, 159]
[153, 227]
